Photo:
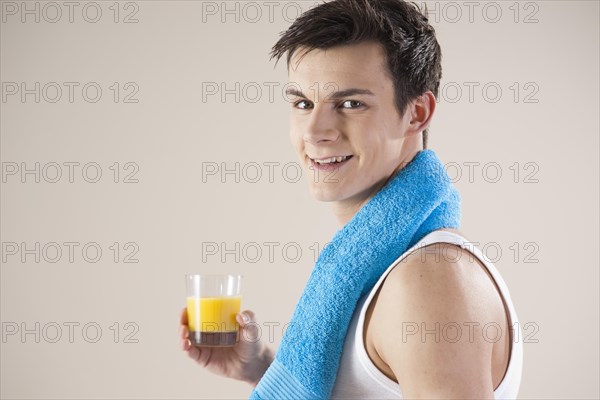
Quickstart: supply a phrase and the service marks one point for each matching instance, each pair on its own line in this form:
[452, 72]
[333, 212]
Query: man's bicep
[432, 336]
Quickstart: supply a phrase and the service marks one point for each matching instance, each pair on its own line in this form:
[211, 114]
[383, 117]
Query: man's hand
[246, 361]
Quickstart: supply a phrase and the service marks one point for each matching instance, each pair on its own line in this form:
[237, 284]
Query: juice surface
[213, 314]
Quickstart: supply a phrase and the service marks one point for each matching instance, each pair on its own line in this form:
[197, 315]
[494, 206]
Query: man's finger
[184, 317]
[184, 332]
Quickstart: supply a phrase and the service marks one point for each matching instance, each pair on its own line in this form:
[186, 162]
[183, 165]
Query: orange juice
[211, 320]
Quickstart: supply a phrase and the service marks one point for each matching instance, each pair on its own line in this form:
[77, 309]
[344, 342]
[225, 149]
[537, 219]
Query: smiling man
[400, 304]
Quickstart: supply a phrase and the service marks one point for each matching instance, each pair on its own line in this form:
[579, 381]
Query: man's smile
[331, 163]
[330, 159]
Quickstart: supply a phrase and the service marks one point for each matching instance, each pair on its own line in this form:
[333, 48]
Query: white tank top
[359, 378]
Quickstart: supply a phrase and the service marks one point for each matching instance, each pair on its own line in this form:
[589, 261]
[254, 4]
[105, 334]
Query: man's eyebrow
[350, 92]
[335, 95]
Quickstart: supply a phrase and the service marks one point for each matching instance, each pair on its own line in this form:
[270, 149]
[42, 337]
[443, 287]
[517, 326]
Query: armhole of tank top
[437, 236]
[515, 347]
[504, 293]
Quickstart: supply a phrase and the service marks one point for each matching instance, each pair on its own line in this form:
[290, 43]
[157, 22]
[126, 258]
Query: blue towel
[418, 200]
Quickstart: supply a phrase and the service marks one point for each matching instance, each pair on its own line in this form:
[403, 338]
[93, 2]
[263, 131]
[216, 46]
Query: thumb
[249, 329]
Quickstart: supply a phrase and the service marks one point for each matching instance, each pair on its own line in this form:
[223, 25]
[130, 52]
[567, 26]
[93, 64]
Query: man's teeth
[331, 160]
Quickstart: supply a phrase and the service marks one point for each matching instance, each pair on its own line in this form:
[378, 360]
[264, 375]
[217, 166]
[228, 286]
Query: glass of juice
[212, 303]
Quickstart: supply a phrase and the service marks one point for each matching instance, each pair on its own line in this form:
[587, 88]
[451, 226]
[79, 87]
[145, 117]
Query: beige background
[171, 134]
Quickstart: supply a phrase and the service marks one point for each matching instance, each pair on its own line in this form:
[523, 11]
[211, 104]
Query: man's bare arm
[433, 297]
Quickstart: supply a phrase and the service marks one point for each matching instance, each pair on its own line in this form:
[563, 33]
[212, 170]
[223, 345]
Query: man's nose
[322, 127]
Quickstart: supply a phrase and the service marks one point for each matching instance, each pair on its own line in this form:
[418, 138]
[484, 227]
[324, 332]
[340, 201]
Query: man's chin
[325, 194]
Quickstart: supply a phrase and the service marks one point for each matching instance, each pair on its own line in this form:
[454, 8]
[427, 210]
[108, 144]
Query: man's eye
[303, 104]
[351, 104]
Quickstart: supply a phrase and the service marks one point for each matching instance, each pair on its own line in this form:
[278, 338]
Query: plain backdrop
[144, 140]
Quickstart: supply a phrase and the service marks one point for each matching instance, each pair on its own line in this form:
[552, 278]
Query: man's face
[343, 106]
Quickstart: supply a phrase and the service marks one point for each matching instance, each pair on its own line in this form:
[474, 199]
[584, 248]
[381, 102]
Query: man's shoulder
[445, 267]
[437, 266]
[419, 306]
[440, 281]
[434, 260]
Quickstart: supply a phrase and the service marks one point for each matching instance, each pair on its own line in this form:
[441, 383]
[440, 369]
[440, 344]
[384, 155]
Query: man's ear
[420, 111]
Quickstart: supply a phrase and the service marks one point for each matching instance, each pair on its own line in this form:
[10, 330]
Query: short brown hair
[413, 54]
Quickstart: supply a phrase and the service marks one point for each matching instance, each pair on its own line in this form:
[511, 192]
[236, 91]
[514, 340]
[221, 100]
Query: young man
[365, 78]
